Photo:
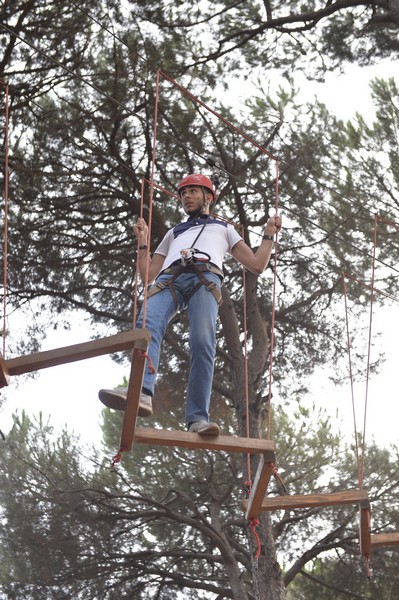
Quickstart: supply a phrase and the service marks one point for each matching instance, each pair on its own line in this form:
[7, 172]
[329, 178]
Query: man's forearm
[144, 259]
[262, 255]
[144, 262]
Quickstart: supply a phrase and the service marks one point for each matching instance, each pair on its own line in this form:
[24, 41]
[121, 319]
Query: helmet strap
[205, 206]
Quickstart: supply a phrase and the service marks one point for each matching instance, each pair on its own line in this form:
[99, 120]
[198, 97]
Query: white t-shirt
[217, 239]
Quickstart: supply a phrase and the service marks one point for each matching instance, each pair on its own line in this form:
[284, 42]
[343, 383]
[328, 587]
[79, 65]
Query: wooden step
[378, 540]
[310, 500]
[184, 439]
[138, 338]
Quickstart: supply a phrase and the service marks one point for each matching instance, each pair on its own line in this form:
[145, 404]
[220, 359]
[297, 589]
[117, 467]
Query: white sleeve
[164, 246]
[233, 237]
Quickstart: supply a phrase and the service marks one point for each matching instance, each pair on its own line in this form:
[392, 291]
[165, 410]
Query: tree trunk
[266, 572]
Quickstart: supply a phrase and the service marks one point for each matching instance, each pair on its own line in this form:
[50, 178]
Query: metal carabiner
[187, 255]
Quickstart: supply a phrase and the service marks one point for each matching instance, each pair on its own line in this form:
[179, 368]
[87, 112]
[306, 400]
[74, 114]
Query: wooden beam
[259, 487]
[137, 366]
[378, 540]
[50, 358]
[310, 500]
[163, 437]
[365, 527]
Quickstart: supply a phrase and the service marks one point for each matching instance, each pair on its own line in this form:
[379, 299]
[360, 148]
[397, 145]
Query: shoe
[116, 399]
[204, 428]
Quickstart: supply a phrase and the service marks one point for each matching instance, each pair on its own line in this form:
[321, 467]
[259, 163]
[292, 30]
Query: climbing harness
[177, 269]
[190, 263]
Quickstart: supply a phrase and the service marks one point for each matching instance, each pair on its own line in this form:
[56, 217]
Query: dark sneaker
[116, 399]
[204, 428]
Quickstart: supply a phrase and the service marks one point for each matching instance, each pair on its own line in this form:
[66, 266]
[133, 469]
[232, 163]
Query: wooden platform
[323, 500]
[138, 338]
[379, 540]
[310, 500]
[184, 439]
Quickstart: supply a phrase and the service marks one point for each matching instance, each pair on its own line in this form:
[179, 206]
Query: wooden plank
[4, 374]
[378, 540]
[259, 487]
[365, 528]
[310, 500]
[138, 338]
[137, 366]
[163, 437]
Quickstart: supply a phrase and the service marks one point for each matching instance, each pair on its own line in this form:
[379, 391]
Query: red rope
[273, 313]
[383, 220]
[253, 525]
[368, 353]
[367, 565]
[150, 367]
[369, 287]
[5, 265]
[348, 344]
[213, 112]
[136, 274]
[118, 457]
[360, 461]
[150, 201]
[244, 281]
[277, 476]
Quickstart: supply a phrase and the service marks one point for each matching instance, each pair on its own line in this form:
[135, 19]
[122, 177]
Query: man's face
[192, 198]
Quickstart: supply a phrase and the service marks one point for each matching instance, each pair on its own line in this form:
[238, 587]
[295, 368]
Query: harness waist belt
[198, 269]
[177, 267]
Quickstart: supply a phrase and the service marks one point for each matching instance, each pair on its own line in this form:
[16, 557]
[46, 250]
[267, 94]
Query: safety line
[136, 272]
[116, 37]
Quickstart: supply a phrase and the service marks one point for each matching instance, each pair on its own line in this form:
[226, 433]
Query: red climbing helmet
[200, 180]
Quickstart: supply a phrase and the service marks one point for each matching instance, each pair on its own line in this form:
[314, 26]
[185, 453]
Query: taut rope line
[5, 258]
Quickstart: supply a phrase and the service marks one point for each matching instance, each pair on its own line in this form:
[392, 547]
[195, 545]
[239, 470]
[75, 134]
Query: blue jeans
[202, 310]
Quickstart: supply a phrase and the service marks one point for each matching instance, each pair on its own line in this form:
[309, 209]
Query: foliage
[170, 519]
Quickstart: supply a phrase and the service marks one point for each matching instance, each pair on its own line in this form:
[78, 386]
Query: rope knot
[117, 458]
[151, 367]
[253, 524]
